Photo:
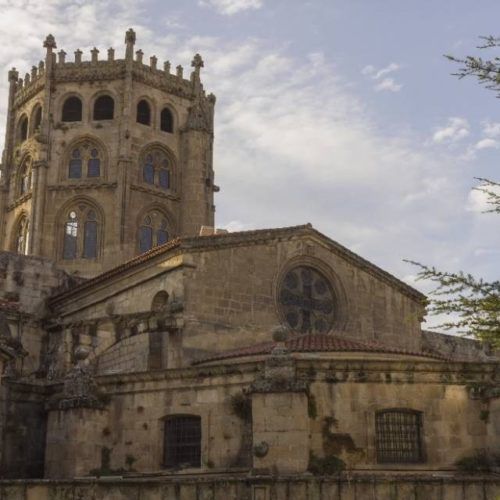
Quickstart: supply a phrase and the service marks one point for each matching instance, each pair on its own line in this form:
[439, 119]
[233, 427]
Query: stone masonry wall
[354, 487]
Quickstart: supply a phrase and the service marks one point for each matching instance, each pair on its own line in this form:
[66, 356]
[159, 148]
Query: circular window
[307, 301]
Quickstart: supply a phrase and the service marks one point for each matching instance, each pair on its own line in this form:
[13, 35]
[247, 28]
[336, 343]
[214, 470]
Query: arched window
[23, 128]
[182, 446]
[72, 110]
[104, 108]
[143, 112]
[160, 301]
[153, 231]
[36, 119]
[22, 236]
[81, 233]
[166, 121]
[84, 161]
[25, 177]
[399, 436]
[156, 168]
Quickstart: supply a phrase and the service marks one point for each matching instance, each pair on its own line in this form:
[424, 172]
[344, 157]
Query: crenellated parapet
[110, 68]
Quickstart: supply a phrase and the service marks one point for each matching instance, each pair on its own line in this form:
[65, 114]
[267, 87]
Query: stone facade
[257, 365]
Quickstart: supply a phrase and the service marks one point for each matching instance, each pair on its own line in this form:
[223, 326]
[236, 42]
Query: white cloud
[455, 130]
[487, 143]
[231, 7]
[491, 129]
[388, 84]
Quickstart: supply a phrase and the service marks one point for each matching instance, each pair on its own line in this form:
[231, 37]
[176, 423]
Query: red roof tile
[315, 343]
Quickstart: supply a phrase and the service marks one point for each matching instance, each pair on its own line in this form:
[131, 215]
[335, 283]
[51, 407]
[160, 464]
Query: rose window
[307, 300]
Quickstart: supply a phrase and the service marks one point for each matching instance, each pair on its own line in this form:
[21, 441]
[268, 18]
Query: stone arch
[152, 111]
[98, 95]
[161, 220]
[86, 141]
[87, 224]
[160, 301]
[61, 102]
[35, 118]
[340, 300]
[174, 118]
[22, 128]
[151, 148]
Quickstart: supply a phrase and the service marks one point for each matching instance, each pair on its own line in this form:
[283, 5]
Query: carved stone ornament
[200, 117]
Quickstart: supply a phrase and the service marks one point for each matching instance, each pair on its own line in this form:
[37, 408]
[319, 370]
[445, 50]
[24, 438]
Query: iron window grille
[182, 441]
[399, 436]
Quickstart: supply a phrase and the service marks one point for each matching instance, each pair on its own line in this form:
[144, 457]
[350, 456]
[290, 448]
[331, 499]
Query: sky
[341, 113]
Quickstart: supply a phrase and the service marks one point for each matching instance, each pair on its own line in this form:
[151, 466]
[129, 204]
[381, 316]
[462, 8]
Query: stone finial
[34, 72]
[27, 79]
[41, 67]
[130, 37]
[211, 99]
[50, 43]
[20, 83]
[138, 55]
[78, 56]
[13, 75]
[111, 54]
[153, 61]
[197, 63]
[166, 67]
[62, 57]
[180, 71]
[94, 55]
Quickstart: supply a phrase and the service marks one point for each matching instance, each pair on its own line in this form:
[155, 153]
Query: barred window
[182, 441]
[399, 436]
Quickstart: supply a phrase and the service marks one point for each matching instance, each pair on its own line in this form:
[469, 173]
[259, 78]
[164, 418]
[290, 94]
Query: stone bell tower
[104, 159]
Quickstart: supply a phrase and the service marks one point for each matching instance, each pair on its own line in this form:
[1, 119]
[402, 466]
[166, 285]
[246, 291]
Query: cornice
[155, 192]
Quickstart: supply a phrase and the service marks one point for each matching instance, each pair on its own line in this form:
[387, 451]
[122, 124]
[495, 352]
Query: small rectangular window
[183, 441]
[399, 436]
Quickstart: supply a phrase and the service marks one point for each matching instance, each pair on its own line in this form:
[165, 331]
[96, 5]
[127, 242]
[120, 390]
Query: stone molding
[155, 192]
[82, 186]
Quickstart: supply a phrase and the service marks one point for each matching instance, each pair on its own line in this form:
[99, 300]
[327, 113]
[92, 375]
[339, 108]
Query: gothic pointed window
[23, 128]
[166, 121]
[70, 236]
[22, 236]
[72, 110]
[153, 231]
[81, 233]
[156, 168]
[75, 164]
[104, 108]
[85, 160]
[94, 164]
[25, 177]
[143, 112]
[36, 118]
[149, 170]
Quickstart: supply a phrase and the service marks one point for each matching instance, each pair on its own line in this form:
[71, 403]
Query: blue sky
[341, 113]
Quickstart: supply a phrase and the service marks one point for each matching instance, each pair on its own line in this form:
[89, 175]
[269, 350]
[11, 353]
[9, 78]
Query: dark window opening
[146, 239]
[23, 129]
[149, 171]
[164, 178]
[75, 165]
[70, 236]
[37, 119]
[153, 231]
[104, 108]
[72, 110]
[143, 113]
[399, 436]
[166, 121]
[182, 441]
[81, 234]
[94, 164]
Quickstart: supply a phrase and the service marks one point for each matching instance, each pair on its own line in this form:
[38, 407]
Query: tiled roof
[235, 239]
[316, 343]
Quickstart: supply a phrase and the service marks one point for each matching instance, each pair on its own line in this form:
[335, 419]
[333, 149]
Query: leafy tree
[472, 304]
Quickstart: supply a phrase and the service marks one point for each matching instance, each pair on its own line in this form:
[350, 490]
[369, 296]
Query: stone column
[75, 425]
[280, 421]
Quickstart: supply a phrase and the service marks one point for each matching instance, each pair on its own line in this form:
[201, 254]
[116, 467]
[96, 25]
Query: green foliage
[473, 303]
[326, 465]
[481, 461]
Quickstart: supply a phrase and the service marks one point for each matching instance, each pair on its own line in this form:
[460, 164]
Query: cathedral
[146, 354]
